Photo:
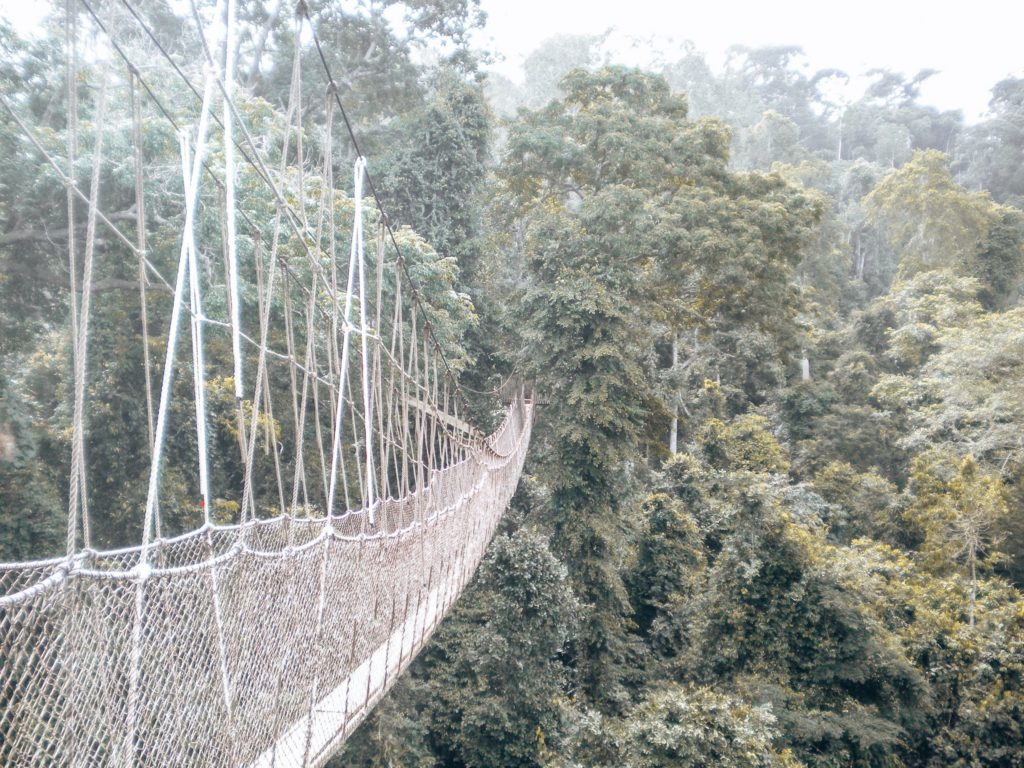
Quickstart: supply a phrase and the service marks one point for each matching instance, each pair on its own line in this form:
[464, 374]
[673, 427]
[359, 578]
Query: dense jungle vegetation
[773, 513]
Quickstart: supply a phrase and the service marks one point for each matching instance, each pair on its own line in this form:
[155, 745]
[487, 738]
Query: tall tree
[991, 153]
[634, 227]
[934, 223]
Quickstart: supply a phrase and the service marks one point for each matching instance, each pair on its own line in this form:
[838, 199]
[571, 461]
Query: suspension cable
[230, 206]
[302, 10]
[295, 220]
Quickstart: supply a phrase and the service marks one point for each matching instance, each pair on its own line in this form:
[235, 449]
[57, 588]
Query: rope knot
[142, 572]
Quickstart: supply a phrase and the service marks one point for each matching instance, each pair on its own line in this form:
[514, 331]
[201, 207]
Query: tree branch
[58, 281]
[16, 236]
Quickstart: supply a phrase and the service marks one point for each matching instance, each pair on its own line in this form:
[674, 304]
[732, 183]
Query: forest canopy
[773, 512]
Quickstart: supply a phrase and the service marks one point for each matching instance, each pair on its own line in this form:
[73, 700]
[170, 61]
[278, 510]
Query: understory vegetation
[773, 511]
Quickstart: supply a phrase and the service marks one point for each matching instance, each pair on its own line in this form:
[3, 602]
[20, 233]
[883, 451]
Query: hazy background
[974, 46]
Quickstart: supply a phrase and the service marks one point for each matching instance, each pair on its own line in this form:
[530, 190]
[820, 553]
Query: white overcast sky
[974, 44]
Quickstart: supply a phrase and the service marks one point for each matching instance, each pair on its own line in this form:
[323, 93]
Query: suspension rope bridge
[262, 640]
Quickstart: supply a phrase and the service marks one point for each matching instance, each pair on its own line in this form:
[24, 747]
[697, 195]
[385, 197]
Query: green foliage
[935, 223]
[966, 395]
[631, 219]
[33, 516]
[974, 672]
[812, 579]
[585, 351]
[775, 138]
[432, 177]
[499, 699]
[583, 347]
[855, 414]
[957, 509]
[492, 689]
[371, 55]
[395, 733]
[922, 308]
[999, 261]
[689, 727]
[887, 123]
[993, 150]
[931, 220]
[668, 571]
[745, 444]
[775, 618]
[966, 400]
[865, 502]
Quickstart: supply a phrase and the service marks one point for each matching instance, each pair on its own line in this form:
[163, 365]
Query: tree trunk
[261, 44]
[673, 436]
[972, 557]
[860, 258]
[839, 144]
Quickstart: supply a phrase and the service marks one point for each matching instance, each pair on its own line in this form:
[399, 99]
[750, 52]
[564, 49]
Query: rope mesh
[274, 680]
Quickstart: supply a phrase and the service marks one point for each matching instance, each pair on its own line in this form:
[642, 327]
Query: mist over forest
[773, 508]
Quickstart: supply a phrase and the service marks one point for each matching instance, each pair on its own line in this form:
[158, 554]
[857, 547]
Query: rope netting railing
[313, 503]
[262, 643]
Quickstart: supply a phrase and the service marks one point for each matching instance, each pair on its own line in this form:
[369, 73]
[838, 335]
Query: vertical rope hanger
[326, 206]
[77, 485]
[225, 81]
[82, 341]
[266, 299]
[368, 499]
[378, 393]
[354, 252]
[140, 226]
[71, 52]
[198, 356]
[179, 299]
[299, 403]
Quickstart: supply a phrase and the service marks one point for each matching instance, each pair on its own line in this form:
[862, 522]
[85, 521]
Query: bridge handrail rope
[77, 565]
